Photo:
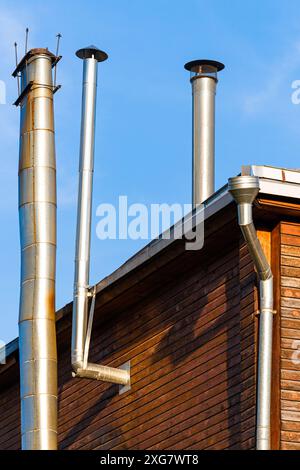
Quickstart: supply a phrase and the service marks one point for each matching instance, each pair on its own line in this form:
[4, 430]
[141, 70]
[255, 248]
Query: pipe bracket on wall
[125, 388]
[274, 312]
[259, 312]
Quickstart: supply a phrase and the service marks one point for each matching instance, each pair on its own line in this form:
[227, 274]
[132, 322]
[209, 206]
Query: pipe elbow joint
[76, 364]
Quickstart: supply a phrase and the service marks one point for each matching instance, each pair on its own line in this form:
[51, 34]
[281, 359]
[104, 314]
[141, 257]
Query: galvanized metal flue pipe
[244, 190]
[37, 215]
[82, 291]
[203, 75]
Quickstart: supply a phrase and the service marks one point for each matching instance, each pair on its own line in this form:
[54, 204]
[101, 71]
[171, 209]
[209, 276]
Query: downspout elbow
[247, 227]
[77, 365]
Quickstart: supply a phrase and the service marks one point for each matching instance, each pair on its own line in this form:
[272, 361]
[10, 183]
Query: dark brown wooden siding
[191, 388]
[290, 336]
[10, 417]
[192, 350]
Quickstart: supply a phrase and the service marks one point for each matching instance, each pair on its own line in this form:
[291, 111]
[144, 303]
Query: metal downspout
[244, 190]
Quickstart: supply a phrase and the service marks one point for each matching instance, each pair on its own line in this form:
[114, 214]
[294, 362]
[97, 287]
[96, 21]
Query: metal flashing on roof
[278, 181]
[280, 174]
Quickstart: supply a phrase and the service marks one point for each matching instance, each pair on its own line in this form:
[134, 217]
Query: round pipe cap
[92, 51]
[205, 65]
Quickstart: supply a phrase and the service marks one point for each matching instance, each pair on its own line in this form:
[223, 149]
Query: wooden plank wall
[290, 336]
[10, 435]
[248, 338]
[192, 350]
[191, 387]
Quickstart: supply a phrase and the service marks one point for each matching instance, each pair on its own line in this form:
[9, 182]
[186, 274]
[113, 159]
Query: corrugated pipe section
[37, 214]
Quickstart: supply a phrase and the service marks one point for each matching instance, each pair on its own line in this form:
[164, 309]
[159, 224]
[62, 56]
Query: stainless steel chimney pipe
[37, 215]
[90, 57]
[204, 80]
[82, 290]
[244, 190]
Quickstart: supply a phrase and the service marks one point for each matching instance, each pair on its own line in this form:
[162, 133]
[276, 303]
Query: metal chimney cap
[243, 189]
[92, 51]
[31, 53]
[194, 64]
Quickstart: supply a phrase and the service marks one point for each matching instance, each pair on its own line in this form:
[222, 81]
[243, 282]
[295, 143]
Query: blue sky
[143, 137]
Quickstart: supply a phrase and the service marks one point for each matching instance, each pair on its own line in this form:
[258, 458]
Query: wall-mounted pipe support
[203, 76]
[82, 291]
[244, 190]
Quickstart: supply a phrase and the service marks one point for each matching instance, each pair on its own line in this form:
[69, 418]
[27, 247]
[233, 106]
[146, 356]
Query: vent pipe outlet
[37, 215]
[203, 75]
[82, 320]
[90, 56]
[244, 190]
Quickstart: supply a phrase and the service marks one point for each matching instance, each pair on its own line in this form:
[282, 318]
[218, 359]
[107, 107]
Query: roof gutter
[244, 190]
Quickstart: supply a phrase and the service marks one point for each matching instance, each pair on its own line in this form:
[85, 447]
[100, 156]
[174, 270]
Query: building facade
[188, 323]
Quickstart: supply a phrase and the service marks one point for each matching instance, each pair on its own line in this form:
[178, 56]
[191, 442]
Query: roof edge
[273, 182]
